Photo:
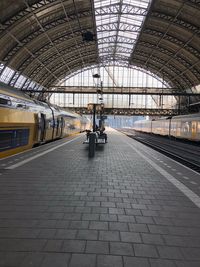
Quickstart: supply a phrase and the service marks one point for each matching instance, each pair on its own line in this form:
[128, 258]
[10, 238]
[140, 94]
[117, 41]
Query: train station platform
[128, 206]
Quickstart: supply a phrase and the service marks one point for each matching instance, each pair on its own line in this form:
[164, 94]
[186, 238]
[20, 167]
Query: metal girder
[171, 69]
[167, 29]
[111, 39]
[40, 32]
[133, 111]
[188, 26]
[127, 9]
[2, 67]
[60, 69]
[62, 72]
[26, 84]
[171, 39]
[47, 35]
[166, 51]
[196, 2]
[46, 47]
[30, 53]
[167, 73]
[35, 51]
[55, 62]
[169, 55]
[118, 49]
[49, 57]
[175, 27]
[119, 90]
[175, 21]
[14, 79]
[113, 26]
[24, 12]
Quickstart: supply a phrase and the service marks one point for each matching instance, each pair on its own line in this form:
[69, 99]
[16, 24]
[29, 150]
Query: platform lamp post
[94, 107]
[92, 136]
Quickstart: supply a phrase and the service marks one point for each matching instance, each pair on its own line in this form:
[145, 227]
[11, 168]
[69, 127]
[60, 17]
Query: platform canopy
[44, 41]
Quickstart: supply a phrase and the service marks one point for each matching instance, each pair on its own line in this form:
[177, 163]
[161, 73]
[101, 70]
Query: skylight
[118, 25]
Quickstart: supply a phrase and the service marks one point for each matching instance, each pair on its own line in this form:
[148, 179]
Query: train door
[198, 130]
[194, 130]
[62, 125]
[57, 126]
[42, 127]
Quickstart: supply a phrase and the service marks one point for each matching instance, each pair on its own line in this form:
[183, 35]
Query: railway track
[186, 154]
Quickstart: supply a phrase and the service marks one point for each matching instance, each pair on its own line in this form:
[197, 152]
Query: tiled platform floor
[65, 210]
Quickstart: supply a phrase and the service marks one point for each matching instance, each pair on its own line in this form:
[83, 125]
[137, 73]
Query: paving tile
[109, 236]
[130, 237]
[62, 224]
[158, 229]
[12, 258]
[47, 233]
[139, 206]
[109, 261]
[108, 217]
[87, 234]
[144, 219]
[137, 227]
[79, 225]
[98, 225]
[170, 252]
[82, 260]
[73, 246]
[90, 217]
[120, 248]
[142, 250]
[53, 245]
[22, 244]
[72, 216]
[135, 262]
[187, 264]
[98, 247]
[93, 204]
[114, 210]
[46, 223]
[65, 234]
[55, 259]
[191, 253]
[119, 226]
[132, 212]
[108, 204]
[152, 239]
[126, 218]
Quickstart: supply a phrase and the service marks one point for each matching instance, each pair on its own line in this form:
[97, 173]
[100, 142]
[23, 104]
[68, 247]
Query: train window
[10, 139]
[5, 102]
[5, 140]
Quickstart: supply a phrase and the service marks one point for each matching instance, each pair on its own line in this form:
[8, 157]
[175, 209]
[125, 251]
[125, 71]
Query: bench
[100, 138]
[94, 139]
[97, 141]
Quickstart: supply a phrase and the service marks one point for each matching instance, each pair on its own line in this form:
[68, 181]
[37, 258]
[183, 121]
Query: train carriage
[182, 127]
[25, 122]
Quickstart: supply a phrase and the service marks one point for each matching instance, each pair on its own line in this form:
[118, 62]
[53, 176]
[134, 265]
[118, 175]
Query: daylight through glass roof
[118, 26]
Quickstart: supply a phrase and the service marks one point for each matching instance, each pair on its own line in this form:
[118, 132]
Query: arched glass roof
[43, 41]
[118, 24]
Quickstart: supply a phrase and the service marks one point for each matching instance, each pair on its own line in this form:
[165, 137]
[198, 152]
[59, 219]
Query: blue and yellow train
[25, 122]
[185, 127]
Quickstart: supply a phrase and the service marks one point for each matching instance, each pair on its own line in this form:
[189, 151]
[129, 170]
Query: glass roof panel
[120, 21]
